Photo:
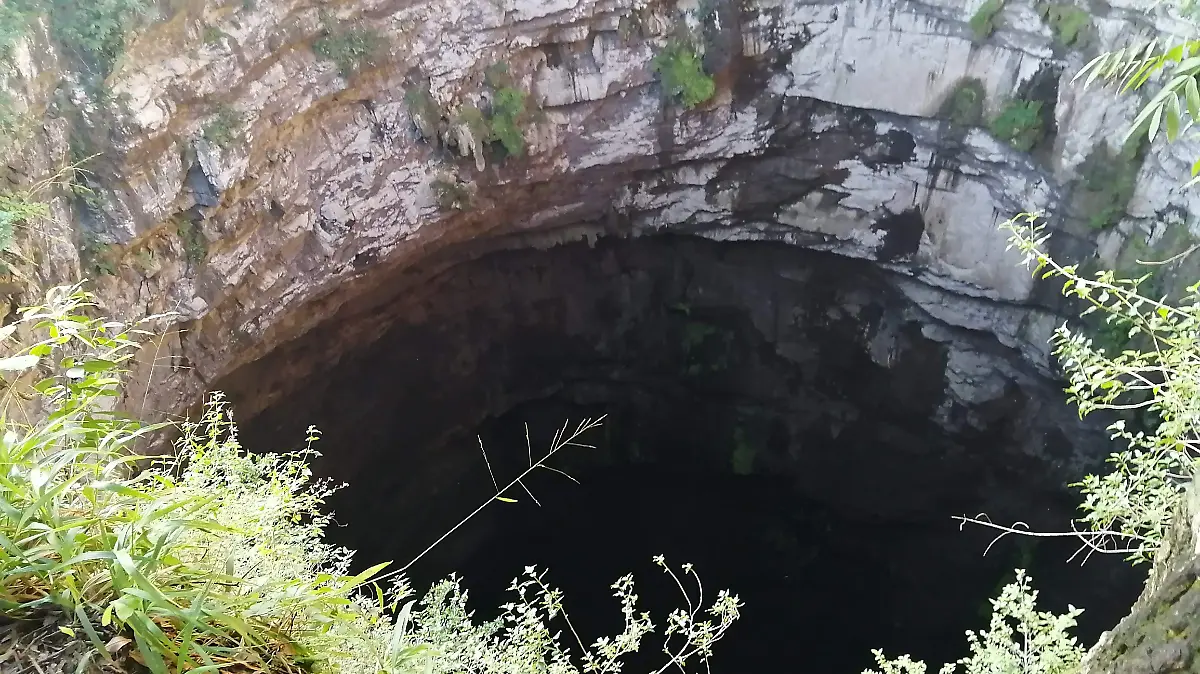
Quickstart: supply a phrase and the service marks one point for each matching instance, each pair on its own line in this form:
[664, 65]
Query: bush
[224, 128]
[216, 555]
[1108, 184]
[195, 245]
[95, 30]
[508, 113]
[452, 194]
[350, 49]
[682, 73]
[17, 210]
[1019, 124]
[1019, 638]
[983, 22]
[424, 111]
[965, 104]
[1071, 25]
[13, 24]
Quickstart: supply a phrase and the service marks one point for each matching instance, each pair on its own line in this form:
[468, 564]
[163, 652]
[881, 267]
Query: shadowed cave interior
[783, 419]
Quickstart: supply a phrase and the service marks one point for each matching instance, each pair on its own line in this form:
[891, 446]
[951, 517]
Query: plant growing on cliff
[13, 24]
[349, 48]
[965, 104]
[1108, 184]
[682, 72]
[224, 128]
[508, 111]
[425, 113]
[1175, 106]
[18, 210]
[1019, 640]
[195, 245]
[1128, 510]
[1070, 24]
[214, 557]
[985, 19]
[452, 194]
[1019, 124]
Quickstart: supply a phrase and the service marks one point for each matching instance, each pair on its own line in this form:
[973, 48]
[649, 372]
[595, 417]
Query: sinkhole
[797, 425]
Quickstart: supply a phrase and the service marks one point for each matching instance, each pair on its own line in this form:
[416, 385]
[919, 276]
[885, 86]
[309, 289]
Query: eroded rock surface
[824, 132]
[832, 128]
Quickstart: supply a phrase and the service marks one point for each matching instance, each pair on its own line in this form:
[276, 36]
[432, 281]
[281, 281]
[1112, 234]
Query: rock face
[1159, 634]
[822, 133]
[292, 209]
[717, 363]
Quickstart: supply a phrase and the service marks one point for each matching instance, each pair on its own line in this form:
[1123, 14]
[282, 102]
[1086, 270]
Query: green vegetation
[507, 117]
[965, 104]
[742, 459]
[225, 126]
[1071, 25]
[349, 48]
[452, 194]
[214, 556]
[425, 113]
[508, 113]
[17, 210]
[984, 21]
[195, 245]
[1019, 124]
[1138, 63]
[214, 35]
[682, 71]
[93, 32]
[1019, 639]
[470, 117]
[1108, 184]
[13, 24]
[97, 258]
[706, 347]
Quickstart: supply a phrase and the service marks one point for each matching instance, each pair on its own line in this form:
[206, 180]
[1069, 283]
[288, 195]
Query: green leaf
[1192, 93]
[506, 500]
[1173, 114]
[98, 365]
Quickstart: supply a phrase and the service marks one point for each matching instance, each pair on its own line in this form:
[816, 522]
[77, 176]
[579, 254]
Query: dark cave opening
[792, 423]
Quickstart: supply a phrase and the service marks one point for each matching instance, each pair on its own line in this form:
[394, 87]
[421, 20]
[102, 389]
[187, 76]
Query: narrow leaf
[18, 363]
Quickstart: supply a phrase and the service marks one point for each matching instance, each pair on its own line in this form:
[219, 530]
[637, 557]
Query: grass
[1020, 124]
[214, 558]
[349, 48]
[682, 72]
[985, 19]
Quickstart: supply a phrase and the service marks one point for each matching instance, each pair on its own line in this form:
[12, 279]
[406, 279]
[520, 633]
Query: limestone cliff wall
[829, 130]
[824, 132]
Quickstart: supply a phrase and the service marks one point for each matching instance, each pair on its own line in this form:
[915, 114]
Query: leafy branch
[1128, 510]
